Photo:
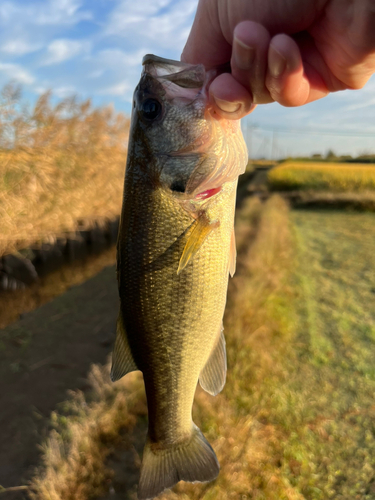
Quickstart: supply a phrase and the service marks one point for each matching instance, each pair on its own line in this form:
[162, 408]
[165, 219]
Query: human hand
[289, 51]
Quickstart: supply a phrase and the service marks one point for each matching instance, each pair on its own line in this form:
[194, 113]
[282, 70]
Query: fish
[175, 252]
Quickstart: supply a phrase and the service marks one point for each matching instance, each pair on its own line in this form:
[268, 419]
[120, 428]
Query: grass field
[58, 164]
[332, 446]
[336, 177]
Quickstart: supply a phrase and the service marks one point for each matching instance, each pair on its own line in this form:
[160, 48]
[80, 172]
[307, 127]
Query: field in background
[335, 177]
[296, 417]
[58, 163]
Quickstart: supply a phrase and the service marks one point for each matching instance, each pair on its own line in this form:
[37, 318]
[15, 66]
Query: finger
[249, 59]
[229, 98]
[206, 43]
[288, 81]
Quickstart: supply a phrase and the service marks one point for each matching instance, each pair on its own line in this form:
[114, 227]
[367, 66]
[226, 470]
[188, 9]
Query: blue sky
[94, 49]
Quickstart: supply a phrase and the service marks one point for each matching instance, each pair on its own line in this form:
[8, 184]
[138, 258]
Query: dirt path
[42, 356]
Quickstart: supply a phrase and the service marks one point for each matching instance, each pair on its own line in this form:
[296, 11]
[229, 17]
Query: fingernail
[243, 54]
[227, 106]
[276, 62]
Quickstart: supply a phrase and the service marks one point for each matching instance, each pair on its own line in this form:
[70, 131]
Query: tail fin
[163, 468]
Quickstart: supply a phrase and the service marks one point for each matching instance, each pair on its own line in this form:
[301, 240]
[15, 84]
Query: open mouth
[207, 194]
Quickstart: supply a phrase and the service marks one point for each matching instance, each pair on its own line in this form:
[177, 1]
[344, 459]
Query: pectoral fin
[212, 377]
[202, 228]
[232, 255]
[122, 358]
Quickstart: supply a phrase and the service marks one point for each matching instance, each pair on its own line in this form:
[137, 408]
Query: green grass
[302, 378]
[333, 441]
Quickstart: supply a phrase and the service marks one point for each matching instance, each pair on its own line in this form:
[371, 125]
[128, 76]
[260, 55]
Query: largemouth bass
[175, 251]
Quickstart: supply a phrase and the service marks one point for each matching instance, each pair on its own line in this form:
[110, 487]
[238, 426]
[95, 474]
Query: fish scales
[174, 257]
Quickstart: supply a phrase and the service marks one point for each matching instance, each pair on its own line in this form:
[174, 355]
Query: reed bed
[336, 177]
[59, 163]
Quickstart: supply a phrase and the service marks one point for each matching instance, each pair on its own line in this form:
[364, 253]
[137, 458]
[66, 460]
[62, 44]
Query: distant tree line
[330, 156]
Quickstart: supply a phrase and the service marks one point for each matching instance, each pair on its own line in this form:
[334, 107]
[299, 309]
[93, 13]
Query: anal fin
[122, 358]
[202, 228]
[212, 377]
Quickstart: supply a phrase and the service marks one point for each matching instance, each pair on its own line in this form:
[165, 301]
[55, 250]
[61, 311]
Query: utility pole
[273, 148]
[244, 126]
[249, 145]
[247, 133]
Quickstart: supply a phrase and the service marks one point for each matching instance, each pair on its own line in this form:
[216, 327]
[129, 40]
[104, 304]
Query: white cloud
[62, 50]
[40, 89]
[61, 12]
[119, 59]
[160, 24]
[121, 72]
[42, 13]
[119, 89]
[19, 47]
[16, 72]
[62, 92]
[363, 103]
[7, 11]
[97, 73]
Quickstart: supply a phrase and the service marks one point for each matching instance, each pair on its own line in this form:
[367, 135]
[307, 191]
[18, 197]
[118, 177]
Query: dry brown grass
[75, 452]
[58, 164]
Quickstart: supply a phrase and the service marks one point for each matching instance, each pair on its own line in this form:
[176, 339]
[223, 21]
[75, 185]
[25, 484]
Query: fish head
[194, 151]
[169, 105]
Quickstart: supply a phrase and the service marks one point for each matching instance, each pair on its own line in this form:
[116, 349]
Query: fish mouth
[186, 76]
[180, 80]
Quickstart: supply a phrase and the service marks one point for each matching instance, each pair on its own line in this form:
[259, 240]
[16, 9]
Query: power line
[312, 131]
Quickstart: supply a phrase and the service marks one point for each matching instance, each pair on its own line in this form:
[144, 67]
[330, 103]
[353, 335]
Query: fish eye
[150, 109]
